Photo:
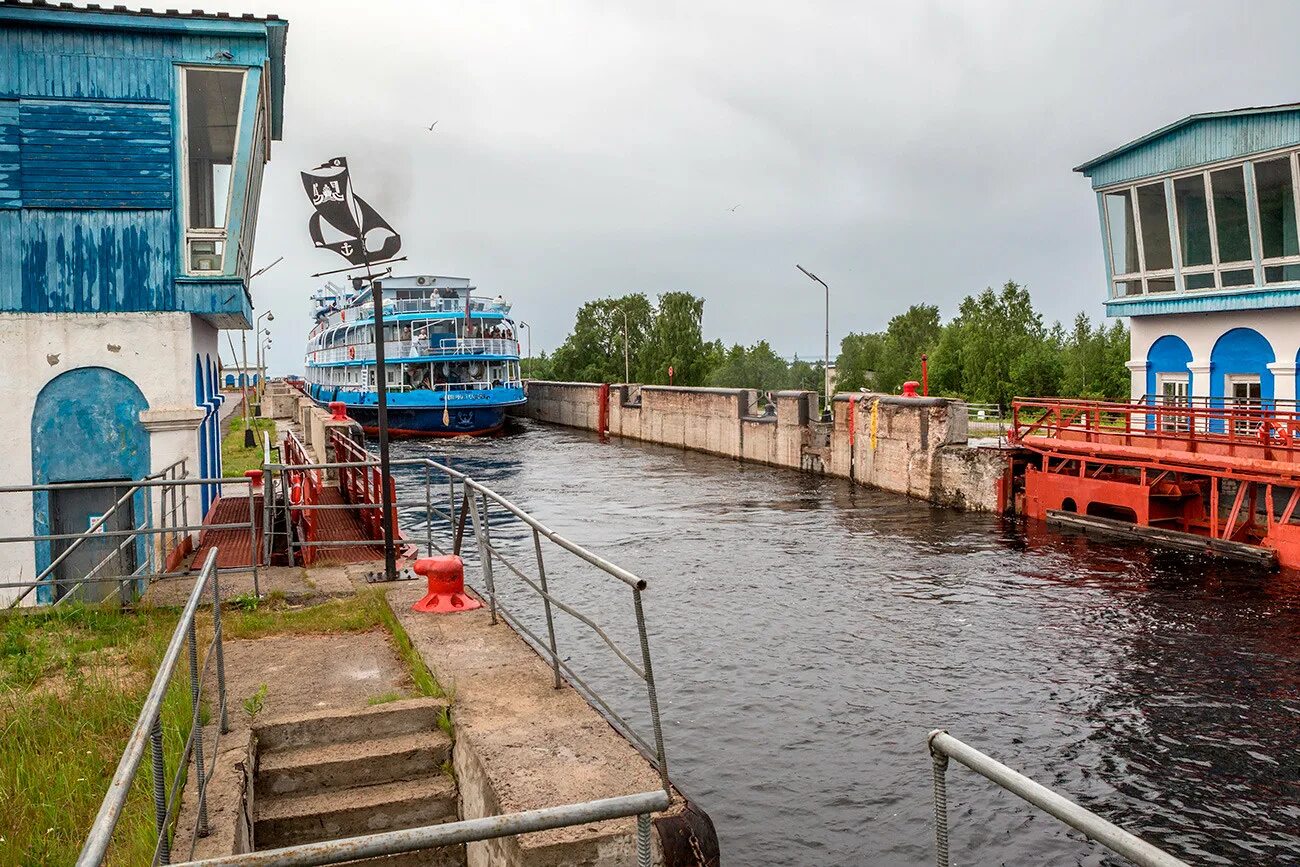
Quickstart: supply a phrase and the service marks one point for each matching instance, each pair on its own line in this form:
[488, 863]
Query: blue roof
[1198, 139]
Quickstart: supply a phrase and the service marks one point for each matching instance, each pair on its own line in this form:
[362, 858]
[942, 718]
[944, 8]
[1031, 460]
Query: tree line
[995, 348]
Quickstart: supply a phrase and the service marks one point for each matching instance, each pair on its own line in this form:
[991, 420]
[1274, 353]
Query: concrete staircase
[334, 774]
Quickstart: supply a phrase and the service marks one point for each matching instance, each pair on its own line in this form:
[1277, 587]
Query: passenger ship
[452, 357]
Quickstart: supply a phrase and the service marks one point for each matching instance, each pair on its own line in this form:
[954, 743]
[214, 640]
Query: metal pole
[627, 377]
[221, 657]
[660, 759]
[643, 840]
[484, 551]
[826, 363]
[381, 381]
[159, 790]
[1089, 823]
[197, 723]
[252, 541]
[940, 808]
[546, 601]
[428, 511]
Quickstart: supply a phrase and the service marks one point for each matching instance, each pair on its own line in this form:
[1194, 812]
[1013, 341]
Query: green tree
[594, 351]
[1093, 360]
[858, 361]
[808, 377]
[756, 367]
[675, 340]
[910, 334]
[540, 367]
[992, 331]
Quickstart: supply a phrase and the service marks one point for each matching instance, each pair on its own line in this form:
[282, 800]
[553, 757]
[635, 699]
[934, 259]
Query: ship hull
[428, 421]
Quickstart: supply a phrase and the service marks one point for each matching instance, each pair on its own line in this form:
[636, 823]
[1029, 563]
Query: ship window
[211, 101]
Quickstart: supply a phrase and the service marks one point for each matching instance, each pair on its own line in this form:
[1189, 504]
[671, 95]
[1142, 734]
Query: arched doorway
[86, 428]
[1169, 381]
[1239, 374]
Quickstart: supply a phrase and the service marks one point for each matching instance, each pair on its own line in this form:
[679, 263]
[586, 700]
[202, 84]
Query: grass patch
[235, 458]
[385, 698]
[72, 681]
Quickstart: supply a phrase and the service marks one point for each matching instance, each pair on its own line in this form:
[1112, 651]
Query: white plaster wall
[154, 350]
[1201, 330]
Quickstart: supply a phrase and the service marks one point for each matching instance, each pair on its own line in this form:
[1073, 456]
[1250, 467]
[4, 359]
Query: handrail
[943, 746]
[453, 833]
[148, 727]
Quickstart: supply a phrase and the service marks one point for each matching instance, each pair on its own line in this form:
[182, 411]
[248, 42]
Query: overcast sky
[904, 152]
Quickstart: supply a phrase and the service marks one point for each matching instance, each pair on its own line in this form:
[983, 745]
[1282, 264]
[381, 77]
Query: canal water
[807, 634]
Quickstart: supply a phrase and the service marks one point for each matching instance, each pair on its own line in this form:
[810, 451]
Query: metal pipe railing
[148, 730]
[453, 833]
[943, 746]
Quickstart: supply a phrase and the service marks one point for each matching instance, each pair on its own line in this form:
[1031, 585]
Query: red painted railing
[362, 486]
[1232, 430]
[305, 488]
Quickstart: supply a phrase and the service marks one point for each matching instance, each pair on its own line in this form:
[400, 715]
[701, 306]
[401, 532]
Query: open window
[211, 104]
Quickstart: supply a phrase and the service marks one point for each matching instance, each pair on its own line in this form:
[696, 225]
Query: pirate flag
[345, 222]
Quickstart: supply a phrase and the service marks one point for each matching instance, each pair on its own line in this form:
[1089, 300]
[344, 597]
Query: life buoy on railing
[352, 352]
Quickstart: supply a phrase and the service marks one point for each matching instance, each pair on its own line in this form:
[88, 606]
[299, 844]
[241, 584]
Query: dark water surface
[808, 633]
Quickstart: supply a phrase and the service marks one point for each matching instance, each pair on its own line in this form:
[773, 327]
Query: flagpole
[381, 382]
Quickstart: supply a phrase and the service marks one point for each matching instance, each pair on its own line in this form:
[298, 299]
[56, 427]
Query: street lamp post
[826, 362]
[626, 375]
[523, 324]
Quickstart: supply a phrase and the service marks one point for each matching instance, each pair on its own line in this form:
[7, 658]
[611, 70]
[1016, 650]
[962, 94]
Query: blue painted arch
[1241, 351]
[1169, 354]
[230, 380]
[85, 427]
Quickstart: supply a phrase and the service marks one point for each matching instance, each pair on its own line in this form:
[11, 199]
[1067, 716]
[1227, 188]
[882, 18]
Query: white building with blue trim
[1198, 221]
[132, 145]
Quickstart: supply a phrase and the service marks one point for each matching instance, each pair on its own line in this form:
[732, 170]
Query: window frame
[188, 232]
[1216, 267]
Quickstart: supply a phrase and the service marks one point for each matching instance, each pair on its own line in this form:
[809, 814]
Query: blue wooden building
[1198, 224]
[132, 145]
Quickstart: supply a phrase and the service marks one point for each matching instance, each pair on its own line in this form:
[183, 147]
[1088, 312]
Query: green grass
[72, 681]
[235, 459]
[385, 698]
[71, 685]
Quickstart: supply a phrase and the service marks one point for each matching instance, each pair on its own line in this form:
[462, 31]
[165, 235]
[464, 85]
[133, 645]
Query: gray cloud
[905, 152]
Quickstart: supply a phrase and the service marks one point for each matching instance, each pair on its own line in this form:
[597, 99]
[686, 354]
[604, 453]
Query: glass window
[1154, 216]
[1193, 221]
[1123, 236]
[1243, 277]
[212, 99]
[1276, 208]
[1230, 222]
[1160, 284]
[1198, 281]
[1128, 287]
[1282, 273]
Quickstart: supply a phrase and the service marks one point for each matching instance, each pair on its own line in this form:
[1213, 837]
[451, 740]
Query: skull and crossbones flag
[344, 222]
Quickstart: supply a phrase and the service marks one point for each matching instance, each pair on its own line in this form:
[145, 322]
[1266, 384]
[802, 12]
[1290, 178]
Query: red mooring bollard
[909, 388]
[446, 594]
[256, 477]
[340, 410]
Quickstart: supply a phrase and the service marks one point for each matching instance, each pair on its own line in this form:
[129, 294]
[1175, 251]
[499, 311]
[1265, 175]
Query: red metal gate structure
[1228, 474]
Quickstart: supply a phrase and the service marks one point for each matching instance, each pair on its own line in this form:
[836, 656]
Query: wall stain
[52, 358]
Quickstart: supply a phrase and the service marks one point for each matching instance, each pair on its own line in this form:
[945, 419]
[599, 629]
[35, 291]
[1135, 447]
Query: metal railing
[465, 831]
[943, 746]
[154, 535]
[149, 729]
[472, 505]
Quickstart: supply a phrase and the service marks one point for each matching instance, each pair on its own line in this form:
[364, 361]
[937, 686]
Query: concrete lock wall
[919, 446]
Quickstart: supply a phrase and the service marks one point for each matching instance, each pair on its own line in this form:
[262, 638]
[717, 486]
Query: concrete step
[289, 820]
[319, 728]
[346, 765]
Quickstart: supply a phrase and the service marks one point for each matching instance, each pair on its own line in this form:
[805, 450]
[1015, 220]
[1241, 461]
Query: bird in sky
[732, 209]
[432, 125]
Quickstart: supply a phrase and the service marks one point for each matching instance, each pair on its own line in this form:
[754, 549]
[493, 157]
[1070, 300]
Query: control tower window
[211, 104]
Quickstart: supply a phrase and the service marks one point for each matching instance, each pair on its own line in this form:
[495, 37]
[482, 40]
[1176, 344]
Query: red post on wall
[670, 374]
[925, 375]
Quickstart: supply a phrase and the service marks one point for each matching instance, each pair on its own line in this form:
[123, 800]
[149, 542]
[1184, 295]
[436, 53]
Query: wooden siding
[10, 182]
[96, 261]
[1200, 142]
[65, 63]
[95, 155]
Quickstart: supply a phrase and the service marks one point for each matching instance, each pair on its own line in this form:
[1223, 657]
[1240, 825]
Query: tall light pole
[826, 362]
[261, 369]
[523, 324]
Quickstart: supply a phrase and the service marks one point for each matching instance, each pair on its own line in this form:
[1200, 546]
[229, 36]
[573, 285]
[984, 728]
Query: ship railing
[508, 541]
[144, 536]
[396, 350]
[353, 849]
[943, 746]
[191, 767]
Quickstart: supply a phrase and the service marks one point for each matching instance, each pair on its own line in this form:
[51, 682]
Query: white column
[1283, 381]
[1137, 371]
[1200, 371]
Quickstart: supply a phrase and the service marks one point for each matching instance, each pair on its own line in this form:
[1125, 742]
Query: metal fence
[149, 729]
[943, 746]
[470, 505]
[155, 535]
[466, 831]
